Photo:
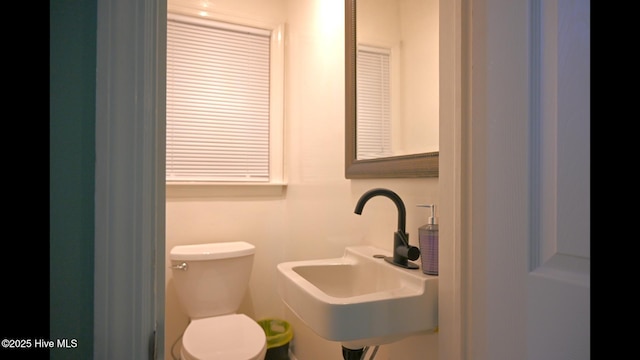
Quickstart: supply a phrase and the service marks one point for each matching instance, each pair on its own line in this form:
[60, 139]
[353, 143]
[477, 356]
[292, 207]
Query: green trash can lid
[278, 332]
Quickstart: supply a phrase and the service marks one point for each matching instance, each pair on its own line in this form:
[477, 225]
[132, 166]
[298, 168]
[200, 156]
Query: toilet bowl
[229, 337]
[211, 280]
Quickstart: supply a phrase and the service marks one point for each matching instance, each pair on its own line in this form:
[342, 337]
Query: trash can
[279, 334]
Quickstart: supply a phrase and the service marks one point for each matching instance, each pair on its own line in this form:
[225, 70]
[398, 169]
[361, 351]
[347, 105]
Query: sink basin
[359, 299]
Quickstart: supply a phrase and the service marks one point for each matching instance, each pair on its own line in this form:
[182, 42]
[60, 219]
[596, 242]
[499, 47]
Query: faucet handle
[403, 236]
[413, 253]
[409, 251]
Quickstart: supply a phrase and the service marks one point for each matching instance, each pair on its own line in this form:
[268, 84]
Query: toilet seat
[227, 337]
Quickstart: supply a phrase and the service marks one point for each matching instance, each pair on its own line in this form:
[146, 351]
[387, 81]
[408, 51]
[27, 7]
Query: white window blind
[217, 102]
[373, 108]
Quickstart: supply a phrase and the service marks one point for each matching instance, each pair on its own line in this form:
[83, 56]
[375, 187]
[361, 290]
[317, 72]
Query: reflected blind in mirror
[217, 102]
[373, 103]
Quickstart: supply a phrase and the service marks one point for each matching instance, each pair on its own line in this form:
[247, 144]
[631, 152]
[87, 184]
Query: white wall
[313, 217]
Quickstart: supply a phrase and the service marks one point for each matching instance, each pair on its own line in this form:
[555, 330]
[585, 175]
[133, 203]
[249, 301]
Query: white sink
[359, 299]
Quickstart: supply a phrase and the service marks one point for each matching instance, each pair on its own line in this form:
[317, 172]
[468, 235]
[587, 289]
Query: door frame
[129, 256]
[454, 86]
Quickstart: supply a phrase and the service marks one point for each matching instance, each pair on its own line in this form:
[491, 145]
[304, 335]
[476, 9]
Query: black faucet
[402, 251]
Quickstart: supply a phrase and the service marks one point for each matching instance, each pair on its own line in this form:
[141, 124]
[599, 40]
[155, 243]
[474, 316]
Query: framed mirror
[394, 102]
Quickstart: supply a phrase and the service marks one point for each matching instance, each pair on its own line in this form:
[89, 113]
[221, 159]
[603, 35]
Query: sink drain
[379, 256]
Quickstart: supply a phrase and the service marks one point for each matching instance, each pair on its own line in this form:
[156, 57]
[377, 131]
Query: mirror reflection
[396, 77]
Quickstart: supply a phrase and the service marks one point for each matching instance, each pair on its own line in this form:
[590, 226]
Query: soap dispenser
[428, 239]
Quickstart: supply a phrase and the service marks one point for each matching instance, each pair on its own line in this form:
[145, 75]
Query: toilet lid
[229, 337]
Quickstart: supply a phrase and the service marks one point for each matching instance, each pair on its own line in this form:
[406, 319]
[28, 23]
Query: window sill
[177, 190]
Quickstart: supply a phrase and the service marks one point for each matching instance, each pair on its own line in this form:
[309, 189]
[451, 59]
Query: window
[373, 103]
[224, 102]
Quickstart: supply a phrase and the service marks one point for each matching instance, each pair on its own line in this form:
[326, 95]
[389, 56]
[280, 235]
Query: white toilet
[211, 281]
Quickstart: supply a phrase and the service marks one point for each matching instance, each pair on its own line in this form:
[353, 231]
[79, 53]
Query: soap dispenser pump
[428, 239]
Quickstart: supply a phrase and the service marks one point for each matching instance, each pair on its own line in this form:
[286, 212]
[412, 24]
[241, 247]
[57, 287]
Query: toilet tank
[211, 279]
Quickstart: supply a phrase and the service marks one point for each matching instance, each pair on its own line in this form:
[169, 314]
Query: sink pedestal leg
[352, 354]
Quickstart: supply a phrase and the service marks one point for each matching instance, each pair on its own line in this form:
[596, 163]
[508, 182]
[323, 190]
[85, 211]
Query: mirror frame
[404, 166]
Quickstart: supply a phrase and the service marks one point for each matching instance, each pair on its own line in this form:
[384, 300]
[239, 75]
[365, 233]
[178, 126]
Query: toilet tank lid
[211, 251]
